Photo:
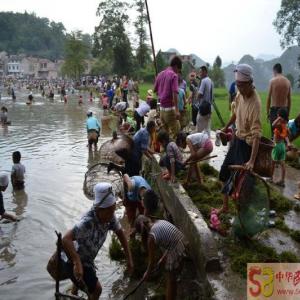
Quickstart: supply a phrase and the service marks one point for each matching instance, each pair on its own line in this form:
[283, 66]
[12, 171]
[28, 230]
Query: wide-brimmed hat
[104, 196]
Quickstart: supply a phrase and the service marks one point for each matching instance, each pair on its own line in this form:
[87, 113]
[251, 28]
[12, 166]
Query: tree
[110, 37]
[218, 62]
[122, 53]
[160, 61]
[101, 66]
[142, 51]
[217, 74]
[28, 34]
[287, 22]
[76, 52]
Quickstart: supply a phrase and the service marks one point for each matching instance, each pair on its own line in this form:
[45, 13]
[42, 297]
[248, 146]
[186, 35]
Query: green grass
[221, 99]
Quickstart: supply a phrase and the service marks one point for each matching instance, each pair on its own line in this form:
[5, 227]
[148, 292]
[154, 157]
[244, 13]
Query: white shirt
[121, 106]
[205, 89]
[198, 138]
[143, 109]
[18, 171]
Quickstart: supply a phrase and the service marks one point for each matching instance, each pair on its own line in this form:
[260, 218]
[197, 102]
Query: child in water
[17, 171]
[3, 116]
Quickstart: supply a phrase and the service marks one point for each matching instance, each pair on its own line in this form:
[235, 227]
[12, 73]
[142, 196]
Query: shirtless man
[279, 95]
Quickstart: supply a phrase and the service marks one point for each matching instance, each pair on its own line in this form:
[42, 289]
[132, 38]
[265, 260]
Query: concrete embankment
[185, 215]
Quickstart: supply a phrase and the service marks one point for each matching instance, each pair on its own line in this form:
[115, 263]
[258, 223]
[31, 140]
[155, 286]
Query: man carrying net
[244, 148]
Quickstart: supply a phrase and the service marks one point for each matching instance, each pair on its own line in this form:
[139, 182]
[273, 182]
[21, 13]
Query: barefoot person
[244, 148]
[281, 140]
[83, 242]
[3, 187]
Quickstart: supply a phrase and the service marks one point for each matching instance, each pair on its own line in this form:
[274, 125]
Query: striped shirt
[174, 153]
[166, 235]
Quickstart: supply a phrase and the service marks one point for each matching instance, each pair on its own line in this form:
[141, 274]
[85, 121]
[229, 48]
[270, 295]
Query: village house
[20, 66]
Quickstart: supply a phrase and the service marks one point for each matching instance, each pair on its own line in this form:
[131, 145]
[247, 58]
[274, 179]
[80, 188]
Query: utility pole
[151, 37]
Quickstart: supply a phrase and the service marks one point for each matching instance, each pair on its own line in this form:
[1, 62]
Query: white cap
[243, 72]
[104, 196]
[3, 179]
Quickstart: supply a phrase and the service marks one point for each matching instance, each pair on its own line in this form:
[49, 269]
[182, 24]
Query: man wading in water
[244, 148]
[83, 242]
[93, 128]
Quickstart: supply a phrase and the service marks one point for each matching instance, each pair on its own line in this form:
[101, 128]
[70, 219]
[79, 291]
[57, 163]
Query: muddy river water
[52, 139]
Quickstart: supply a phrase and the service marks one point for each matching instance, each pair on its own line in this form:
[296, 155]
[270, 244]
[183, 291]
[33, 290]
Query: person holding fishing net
[247, 117]
[82, 243]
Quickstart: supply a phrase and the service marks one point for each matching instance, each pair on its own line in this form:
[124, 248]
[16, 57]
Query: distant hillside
[199, 62]
[263, 69]
[31, 35]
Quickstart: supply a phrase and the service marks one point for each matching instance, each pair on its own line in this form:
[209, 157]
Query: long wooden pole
[151, 37]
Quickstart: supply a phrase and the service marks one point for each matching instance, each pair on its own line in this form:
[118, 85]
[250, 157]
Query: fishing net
[107, 153]
[98, 173]
[252, 197]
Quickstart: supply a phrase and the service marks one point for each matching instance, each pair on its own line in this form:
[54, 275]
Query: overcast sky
[229, 28]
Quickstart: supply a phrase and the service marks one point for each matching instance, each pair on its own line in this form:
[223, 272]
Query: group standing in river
[162, 131]
[140, 200]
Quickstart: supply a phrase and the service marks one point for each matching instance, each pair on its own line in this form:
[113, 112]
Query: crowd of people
[164, 131]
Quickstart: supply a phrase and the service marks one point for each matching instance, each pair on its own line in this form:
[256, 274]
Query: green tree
[28, 34]
[218, 62]
[110, 37]
[161, 63]
[101, 67]
[287, 22]
[217, 74]
[76, 52]
[142, 51]
[122, 52]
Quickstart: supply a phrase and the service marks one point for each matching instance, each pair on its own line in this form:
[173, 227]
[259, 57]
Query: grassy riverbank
[221, 99]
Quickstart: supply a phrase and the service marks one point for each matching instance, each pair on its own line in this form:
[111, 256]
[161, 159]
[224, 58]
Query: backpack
[204, 108]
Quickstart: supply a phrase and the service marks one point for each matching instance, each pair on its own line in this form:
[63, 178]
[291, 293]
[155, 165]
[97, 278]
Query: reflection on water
[51, 137]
